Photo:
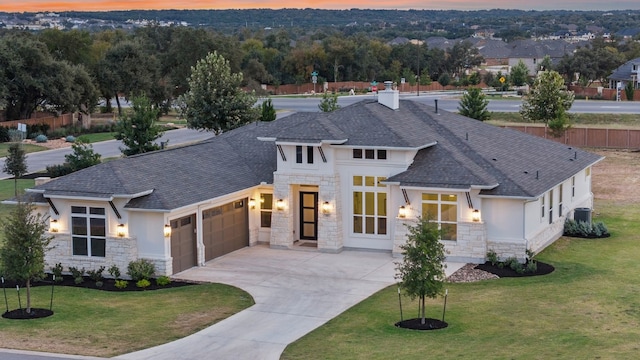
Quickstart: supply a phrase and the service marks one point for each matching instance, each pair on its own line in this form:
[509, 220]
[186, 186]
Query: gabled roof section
[180, 176]
[503, 162]
[624, 71]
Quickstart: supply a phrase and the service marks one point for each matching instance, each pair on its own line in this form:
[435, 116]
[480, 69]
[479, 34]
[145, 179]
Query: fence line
[54, 122]
[588, 137]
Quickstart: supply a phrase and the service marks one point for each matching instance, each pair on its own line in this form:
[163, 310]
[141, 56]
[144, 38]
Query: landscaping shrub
[37, 129]
[492, 257]
[70, 138]
[14, 135]
[121, 284]
[4, 134]
[141, 269]
[96, 275]
[143, 283]
[41, 138]
[55, 171]
[56, 270]
[163, 280]
[584, 229]
[114, 271]
[77, 274]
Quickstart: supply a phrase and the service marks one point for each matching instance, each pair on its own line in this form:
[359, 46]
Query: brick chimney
[389, 97]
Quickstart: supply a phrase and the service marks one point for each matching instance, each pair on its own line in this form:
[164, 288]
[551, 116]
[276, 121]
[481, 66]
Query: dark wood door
[183, 243]
[225, 229]
[308, 215]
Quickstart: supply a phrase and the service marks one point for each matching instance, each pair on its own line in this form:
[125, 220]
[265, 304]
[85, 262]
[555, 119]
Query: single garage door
[183, 243]
[225, 229]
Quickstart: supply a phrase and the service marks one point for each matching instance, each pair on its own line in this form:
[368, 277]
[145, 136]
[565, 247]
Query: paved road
[7, 354]
[449, 103]
[40, 160]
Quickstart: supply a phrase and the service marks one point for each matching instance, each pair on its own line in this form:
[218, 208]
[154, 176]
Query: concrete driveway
[295, 292]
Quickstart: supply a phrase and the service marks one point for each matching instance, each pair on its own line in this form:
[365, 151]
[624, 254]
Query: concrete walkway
[295, 292]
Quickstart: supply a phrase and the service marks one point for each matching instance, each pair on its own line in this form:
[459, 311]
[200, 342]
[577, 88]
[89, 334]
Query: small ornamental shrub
[70, 138]
[99, 284]
[77, 274]
[584, 229]
[141, 269]
[56, 270]
[41, 138]
[492, 257]
[121, 284]
[55, 171]
[532, 266]
[143, 283]
[163, 280]
[96, 275]
[114, 271]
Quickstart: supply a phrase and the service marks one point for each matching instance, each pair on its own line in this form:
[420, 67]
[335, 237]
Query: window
[299, 153]
[573, 187]
[560, 199]
[587, 172]
[369, 205]
[443, 209]
[88, 231]
[551, 206]
[542, 206]
[266, 208]
[371, 154]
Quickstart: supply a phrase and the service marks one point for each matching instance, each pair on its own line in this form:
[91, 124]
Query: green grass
[96, 137]
[580, 120]
[588, 308]
[28, 148]
[101, 323]
[7, 192]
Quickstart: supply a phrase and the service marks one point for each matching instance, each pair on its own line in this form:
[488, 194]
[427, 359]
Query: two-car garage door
[224, 228]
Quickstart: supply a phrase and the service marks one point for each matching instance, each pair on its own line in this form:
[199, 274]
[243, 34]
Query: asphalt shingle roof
[623, 72]
[453, 152]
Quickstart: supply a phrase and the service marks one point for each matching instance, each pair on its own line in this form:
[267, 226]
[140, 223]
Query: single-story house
[350, 179]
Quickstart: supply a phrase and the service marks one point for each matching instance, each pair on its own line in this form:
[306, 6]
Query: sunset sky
[105, 5]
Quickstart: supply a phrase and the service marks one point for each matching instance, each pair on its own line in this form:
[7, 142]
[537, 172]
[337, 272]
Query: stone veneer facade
[329, 225]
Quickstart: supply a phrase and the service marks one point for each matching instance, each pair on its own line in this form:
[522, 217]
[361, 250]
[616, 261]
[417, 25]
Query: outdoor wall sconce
[120, 230]
[402, 212]
[326, 208]
[280, 204]
[475, 216]
[167, 230]
[252, 203]
[54, 226]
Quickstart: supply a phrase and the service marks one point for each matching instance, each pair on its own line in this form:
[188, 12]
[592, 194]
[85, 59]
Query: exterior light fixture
[167, 230]
[54, 226]
[280, 204]
[120, 230]
[326, 208]
[252, 203]
[402, 212]
[475, 215]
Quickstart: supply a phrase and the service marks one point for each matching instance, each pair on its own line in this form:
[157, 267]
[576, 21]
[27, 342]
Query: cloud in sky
[105, 5]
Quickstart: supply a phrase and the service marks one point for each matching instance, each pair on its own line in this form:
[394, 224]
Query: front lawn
[100, 323]
[28, 148]
[587, 309]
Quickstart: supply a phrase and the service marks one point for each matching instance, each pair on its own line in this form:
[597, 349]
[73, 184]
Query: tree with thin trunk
[329, 102]
[268, 112]
[421, 272]
[138, 130]
[25, 244]
[549, 101]
[15, 164]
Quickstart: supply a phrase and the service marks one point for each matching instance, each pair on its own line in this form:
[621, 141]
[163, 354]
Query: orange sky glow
[107, 5]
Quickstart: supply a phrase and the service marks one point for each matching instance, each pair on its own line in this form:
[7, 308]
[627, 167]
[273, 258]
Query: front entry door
[308, 215]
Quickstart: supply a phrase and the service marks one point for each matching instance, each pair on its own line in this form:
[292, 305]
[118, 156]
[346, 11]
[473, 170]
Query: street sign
[502, 80]
[314, 79]
[402, 80]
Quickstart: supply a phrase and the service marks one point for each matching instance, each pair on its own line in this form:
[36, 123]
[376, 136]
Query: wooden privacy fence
[54, 122]
[589, 137]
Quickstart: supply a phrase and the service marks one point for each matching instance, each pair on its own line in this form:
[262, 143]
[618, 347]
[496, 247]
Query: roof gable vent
[389, 97]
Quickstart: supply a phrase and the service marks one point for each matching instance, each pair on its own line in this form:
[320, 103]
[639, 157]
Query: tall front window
[443, 209]
[369, 205]
[266, 208]
[88, 230]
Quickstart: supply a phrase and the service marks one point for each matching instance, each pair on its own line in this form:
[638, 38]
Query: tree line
[63, 71]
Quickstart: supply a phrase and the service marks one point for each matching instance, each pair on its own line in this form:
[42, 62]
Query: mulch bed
[416, 324]
[107, 284]
[543, 269]
[22, 314]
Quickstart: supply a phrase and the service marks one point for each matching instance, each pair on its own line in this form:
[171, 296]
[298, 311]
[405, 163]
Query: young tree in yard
[82, 157]
[629, 90]
[215, 101]
[268, 112]
[138, 129]
[474, 105]
[421, 272]
[24, 247]
[15, 164]
[329, 102]
[519, 74]
[549, 101]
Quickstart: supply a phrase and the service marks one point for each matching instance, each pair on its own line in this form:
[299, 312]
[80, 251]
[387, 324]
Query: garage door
[225, 229]
[183, 243]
